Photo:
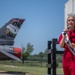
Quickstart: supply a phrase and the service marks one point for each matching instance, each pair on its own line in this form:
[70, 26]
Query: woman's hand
[72, 45]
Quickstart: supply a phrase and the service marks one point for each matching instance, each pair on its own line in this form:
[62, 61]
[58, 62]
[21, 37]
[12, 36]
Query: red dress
[68, 59]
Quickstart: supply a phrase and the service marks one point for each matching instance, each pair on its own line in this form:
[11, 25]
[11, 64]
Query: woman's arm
[62, 42]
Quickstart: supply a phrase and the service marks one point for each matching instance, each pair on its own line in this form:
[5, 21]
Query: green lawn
[27, 69]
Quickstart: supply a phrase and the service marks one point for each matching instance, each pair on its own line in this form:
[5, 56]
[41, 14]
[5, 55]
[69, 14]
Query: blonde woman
[68, 58]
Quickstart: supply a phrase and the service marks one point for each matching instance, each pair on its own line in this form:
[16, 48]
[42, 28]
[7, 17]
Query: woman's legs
[69, 68]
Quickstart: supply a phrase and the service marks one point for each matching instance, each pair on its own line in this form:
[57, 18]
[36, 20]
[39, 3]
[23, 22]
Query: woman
[68, 58]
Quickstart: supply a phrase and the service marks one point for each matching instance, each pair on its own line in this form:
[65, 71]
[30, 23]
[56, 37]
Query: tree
[26, 52]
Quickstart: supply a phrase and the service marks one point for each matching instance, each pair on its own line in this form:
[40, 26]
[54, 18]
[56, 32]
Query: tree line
[41, 56]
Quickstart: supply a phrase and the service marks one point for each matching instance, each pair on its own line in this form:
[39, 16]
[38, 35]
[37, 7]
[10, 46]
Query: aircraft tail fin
[10, 29]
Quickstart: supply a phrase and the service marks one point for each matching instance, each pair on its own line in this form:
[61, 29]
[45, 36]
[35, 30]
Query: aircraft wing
[10, 55]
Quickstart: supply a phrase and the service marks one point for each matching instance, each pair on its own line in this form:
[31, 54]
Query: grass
[32, 70]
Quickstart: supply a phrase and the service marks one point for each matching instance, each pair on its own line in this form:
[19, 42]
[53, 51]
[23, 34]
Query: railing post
[49, 57]
[54, 41]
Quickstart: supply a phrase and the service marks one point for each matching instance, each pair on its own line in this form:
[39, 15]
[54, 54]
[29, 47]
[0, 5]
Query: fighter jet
[7, 35]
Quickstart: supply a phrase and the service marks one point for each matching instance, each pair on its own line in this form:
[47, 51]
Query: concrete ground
[11, 73]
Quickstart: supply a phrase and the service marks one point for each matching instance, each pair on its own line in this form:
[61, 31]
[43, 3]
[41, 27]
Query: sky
[44, 20]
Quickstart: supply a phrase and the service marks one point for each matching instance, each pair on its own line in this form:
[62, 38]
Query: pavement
[11, 73]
